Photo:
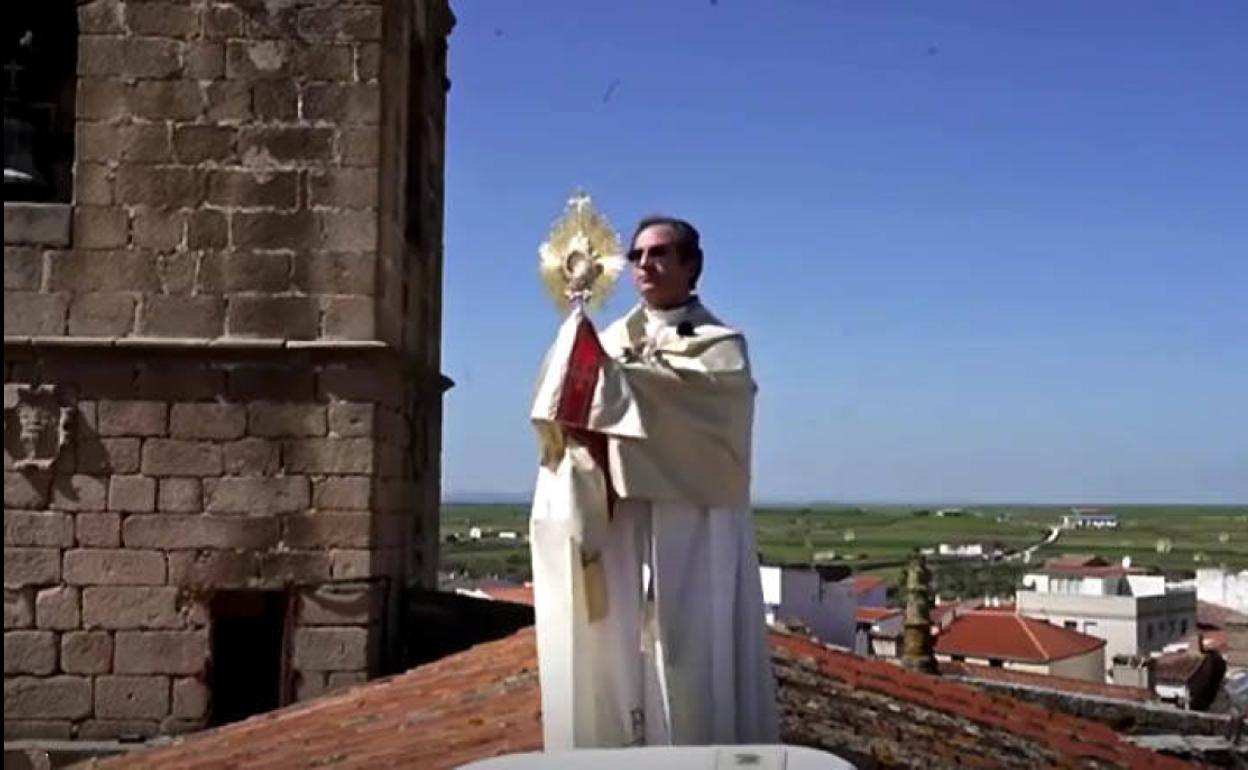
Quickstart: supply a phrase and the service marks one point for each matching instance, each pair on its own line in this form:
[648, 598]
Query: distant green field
[874, 539]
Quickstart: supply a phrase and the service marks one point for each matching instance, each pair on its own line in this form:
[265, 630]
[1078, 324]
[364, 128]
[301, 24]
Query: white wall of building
[1090, 666]
[1130, 625]
[1147, 585]
[875, 597]
[827, 608]
[1228, 589]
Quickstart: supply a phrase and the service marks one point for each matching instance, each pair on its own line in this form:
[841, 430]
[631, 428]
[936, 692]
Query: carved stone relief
[38, 425]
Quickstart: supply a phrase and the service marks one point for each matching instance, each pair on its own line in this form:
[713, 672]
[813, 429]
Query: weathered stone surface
[132, 494]
[257, 494]
[53, 697]
[102, 271]
[349, 318]
[116, 455]
[132, 418]
[87, 652]
[329, 455]
[101, 315]
[29, 652]
[58, 608]
[26, 489]
[38, 729]
[342, 492]
[114, 566]
[309, 684]
[79, 492]
[351, 420]
[124, 729]
[285, 568]
[177, 457]
[28, 313]
[158, 230]
[251, 457]
[190, 699]
[132, 697]
[181, 316]
[31, 566]
[168, 530]
[161, 652]
[284, 419]
[97, 530]
[124, 607]
[338, 680]
[295, 318]
[23, 268]
[340, 605]
[210, 421]
[216, 569]
[355, 564]
[328, 529]
[179, 495]
[19, 611]
[38, 528]
[331, 649]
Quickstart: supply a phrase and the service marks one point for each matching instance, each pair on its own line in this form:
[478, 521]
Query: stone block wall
[237, 320]
[181, 478]
[226, 178]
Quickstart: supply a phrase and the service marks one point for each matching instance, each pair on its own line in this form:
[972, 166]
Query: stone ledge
[242, 344]
[38, 224]
[21, 346]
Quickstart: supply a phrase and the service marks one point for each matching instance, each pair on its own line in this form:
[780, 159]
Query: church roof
[484, 702]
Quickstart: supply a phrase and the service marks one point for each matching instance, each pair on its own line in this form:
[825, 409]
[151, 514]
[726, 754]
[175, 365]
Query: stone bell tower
[222, 387]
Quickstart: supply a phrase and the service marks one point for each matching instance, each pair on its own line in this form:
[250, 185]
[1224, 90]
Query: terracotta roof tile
[875, 614]
[1012, 637]
[484, 702]
[1218, 616]
[865, 583]
[511, 593]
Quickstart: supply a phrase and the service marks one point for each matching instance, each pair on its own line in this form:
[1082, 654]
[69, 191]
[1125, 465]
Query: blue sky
[982, 251]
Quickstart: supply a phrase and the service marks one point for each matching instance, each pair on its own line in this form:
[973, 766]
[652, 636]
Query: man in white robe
[646, 587]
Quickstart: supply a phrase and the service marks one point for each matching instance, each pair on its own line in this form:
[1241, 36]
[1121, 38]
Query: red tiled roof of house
[511, 593]
[1045, 681]
[1012, 637]
[479, 703]
[1218, 616]
[1236, 649]
[1007, 732]
[865, 583]
[874, 614]
[1177, 668]
[484, 702]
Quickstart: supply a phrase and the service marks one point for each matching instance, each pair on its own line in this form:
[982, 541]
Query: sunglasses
[660, 251]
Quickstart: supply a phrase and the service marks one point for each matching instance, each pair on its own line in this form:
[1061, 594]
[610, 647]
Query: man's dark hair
[688, 241]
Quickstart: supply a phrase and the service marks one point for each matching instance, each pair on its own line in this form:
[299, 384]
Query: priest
[649, 607]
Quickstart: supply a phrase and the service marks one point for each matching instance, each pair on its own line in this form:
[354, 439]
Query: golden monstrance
[580, 260]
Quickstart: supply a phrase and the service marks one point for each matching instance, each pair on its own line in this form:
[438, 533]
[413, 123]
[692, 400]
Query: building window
[1072, 625]
[1148, 632]
[1183, 626]
[996, 663]
[40, 58]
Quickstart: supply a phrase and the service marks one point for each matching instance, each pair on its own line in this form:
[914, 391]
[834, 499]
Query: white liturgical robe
[645, 578]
